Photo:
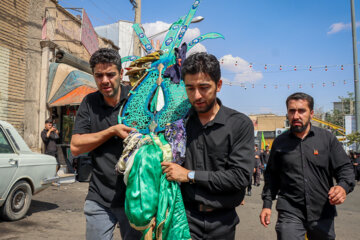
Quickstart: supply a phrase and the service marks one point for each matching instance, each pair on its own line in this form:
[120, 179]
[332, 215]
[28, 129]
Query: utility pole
[137, 47]
[356, 70]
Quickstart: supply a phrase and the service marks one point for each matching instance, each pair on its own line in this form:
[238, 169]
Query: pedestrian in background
[257, 166]
[302, 165]
[356, 163]
[50, 137]
[97, 131]
[265, 158]
[255, 171]
[219, 154]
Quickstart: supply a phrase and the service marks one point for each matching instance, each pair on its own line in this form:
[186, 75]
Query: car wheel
[18, 201]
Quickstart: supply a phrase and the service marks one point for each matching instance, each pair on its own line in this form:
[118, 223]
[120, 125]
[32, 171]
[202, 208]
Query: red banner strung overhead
[88, 35]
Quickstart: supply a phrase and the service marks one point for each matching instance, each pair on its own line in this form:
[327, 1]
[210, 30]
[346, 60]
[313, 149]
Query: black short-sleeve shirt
[94, 115]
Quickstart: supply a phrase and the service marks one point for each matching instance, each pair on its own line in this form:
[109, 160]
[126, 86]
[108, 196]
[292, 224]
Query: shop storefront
[67, 86]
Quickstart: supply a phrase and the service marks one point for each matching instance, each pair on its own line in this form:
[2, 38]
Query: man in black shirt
[219, 154]
[257, 165]
[97, 131]
[255, 172]
[265, 158]
[50, 136]
[356, 163]
[301, 168]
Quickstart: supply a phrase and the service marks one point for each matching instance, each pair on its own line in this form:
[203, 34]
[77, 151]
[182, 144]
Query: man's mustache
[297, 121]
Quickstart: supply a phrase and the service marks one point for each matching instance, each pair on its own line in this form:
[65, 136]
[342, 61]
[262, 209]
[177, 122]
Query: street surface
[57, 213]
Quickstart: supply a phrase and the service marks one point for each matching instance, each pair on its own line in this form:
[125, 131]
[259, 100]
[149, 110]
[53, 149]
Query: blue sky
[276, 33]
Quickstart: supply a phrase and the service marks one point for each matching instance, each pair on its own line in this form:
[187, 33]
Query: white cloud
[197, 48]
[236, 65]
[191, 33]
[226, 81]
[159, 26]
[250, 76]
[241, 68]
[156, 27]
[340, 26]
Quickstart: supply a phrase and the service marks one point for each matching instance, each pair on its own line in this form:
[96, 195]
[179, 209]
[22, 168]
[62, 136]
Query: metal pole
[137, 47]
[356, 68]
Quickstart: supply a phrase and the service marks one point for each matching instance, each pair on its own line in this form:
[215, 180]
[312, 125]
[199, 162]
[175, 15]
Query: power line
[92, 16]
[108, 15]
[100, 20]
[112, 5]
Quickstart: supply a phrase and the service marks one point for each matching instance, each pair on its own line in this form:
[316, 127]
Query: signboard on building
[350, 124]
[88, 35]
[43, 30]
[280, 131]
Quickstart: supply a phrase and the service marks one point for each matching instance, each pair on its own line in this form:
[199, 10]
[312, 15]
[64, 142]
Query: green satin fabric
[154, 205]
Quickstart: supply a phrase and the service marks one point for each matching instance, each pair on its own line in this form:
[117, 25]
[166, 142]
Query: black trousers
[357, 172]
[290, 226]
[54, 154]
[249, 187]
[215, 225]
[256, 176]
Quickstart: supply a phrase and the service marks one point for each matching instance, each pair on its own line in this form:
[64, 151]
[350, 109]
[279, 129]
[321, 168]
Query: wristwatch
[191, 177]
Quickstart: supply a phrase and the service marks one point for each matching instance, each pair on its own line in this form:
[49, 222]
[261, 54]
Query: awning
[68, 85]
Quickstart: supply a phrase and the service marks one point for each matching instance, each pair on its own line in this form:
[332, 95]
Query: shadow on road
[39, 206]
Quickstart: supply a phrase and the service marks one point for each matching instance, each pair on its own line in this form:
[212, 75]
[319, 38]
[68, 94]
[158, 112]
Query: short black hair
[49, 120]
[301, 96]
[105, 55]
[202, 62]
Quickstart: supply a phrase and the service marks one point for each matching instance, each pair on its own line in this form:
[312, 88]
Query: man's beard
[299, 129]
[113, 93]
[207, 107]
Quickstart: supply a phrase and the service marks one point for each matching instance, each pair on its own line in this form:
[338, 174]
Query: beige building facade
[31, 33]
[268, 125]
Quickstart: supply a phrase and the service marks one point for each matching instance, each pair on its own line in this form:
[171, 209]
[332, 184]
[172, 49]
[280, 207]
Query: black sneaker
[249, 193]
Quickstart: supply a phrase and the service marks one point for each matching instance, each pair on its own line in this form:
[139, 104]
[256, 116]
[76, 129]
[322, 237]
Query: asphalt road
[57, 213]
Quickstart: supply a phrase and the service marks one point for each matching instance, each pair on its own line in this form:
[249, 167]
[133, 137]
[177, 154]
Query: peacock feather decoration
[158, 95]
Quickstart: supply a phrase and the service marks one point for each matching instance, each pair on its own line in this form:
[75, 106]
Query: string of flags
[287, 68]
[268, 68]
[289, 86]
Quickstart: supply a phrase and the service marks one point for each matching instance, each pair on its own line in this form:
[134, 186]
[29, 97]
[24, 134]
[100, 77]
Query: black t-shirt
[94, 115]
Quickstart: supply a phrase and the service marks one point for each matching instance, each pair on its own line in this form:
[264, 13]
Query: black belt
[200, 207]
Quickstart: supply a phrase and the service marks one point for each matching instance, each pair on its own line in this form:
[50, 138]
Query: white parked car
[23, 173]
